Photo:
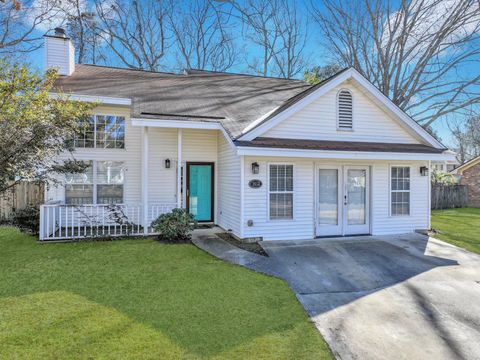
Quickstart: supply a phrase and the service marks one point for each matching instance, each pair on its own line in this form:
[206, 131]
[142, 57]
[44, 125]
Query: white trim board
[334, 154]
[406, 121]
[182, 124]
[178, 124]
[104, 100]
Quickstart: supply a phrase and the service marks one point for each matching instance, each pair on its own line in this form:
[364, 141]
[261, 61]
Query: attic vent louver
[345, 112]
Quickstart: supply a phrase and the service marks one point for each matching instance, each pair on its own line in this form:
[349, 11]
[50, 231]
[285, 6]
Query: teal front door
[200, 191]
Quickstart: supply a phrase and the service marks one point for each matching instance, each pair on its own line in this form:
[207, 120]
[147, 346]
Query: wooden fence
[22, 195]
[449, 196]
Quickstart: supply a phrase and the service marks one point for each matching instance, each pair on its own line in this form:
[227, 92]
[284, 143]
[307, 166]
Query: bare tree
[466, 137]
[82, 23]
[135, 31]
[412, 51]
[276, 28]
[257, 19]
[201, 35]
[22, 24]
[290, 59]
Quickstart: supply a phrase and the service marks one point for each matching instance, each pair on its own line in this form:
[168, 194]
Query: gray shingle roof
[234, 100]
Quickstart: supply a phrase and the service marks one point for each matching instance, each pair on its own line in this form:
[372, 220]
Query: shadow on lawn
[190, 300]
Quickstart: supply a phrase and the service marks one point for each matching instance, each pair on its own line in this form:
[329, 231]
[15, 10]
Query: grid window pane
[281, 206]
[85, 137]
[400, 190]
[110, 177]
[102, 131]
[281, 192]
[79, 187]
[78, 194]
[110, 132]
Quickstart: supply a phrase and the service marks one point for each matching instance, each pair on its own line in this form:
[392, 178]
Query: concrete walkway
[389, 297]
[206, 240]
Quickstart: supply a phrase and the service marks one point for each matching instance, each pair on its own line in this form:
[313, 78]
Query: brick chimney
[59, 52]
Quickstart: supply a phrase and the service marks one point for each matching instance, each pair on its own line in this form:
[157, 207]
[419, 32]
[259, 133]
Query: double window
[400, 190]
[103, 132]
[101, 183]
[281, 191]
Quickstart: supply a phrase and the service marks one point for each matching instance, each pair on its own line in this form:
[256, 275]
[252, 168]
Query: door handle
[345, 201]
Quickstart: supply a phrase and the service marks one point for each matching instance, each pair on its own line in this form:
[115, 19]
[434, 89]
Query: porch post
[145, 178]
[430, 195]
[179, 167]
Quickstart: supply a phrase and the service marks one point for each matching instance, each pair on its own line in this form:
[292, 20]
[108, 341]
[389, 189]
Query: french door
[343, 194]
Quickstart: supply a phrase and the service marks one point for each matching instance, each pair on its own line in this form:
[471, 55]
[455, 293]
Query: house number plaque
[255, 183]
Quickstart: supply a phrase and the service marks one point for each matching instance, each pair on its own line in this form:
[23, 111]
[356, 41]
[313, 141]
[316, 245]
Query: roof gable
[260, 128]
[467, 165]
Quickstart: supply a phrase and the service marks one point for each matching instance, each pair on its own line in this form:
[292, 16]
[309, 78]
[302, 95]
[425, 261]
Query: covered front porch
[175, 167]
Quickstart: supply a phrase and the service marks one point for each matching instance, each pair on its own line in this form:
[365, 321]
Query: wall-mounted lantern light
[424, 171]
[255, 168]
[167, 163]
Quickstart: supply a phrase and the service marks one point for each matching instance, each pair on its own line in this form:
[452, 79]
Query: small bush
[175, 226]
[27, 219]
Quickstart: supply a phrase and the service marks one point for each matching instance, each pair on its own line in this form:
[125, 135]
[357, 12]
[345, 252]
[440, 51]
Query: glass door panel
[329, 192]
[328, 197]
[356, 195]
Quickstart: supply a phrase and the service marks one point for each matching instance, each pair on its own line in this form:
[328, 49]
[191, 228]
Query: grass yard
[460, 227]
[139, 299]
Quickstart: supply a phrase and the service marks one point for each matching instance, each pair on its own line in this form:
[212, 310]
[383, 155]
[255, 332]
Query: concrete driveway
[402, 297]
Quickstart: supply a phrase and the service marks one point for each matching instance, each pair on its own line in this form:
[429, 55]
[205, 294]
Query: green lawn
[139, 299]
[460, 227]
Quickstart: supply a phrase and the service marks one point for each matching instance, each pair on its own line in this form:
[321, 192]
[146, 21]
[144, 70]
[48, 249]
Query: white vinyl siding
[197, 145]
[382, 221]
[345, 110]
[228, 174]
[256, 202]
[318, 121]
[60, 53]
[302, 226]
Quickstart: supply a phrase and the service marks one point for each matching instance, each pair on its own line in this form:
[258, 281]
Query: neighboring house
[445, 166]
[261, 157]
[469, 174]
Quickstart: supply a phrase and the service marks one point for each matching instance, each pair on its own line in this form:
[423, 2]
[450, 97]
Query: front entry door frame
[342, 228]
[187, 186]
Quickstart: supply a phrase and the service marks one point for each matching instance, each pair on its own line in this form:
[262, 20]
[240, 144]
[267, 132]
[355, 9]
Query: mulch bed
[252, 247]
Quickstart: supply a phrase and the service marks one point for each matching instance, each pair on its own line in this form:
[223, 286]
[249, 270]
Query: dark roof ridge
[131, 69]
[186, 71]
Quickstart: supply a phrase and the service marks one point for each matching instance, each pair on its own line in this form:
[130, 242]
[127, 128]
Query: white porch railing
[59, 222]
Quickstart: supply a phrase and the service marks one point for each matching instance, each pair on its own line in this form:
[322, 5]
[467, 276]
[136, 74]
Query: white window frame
[337, 107]
[95, 183]
[95, 116]
[280, 192]
[390, 190]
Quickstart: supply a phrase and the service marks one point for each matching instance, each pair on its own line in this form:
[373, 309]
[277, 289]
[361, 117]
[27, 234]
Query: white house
[264, 158]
